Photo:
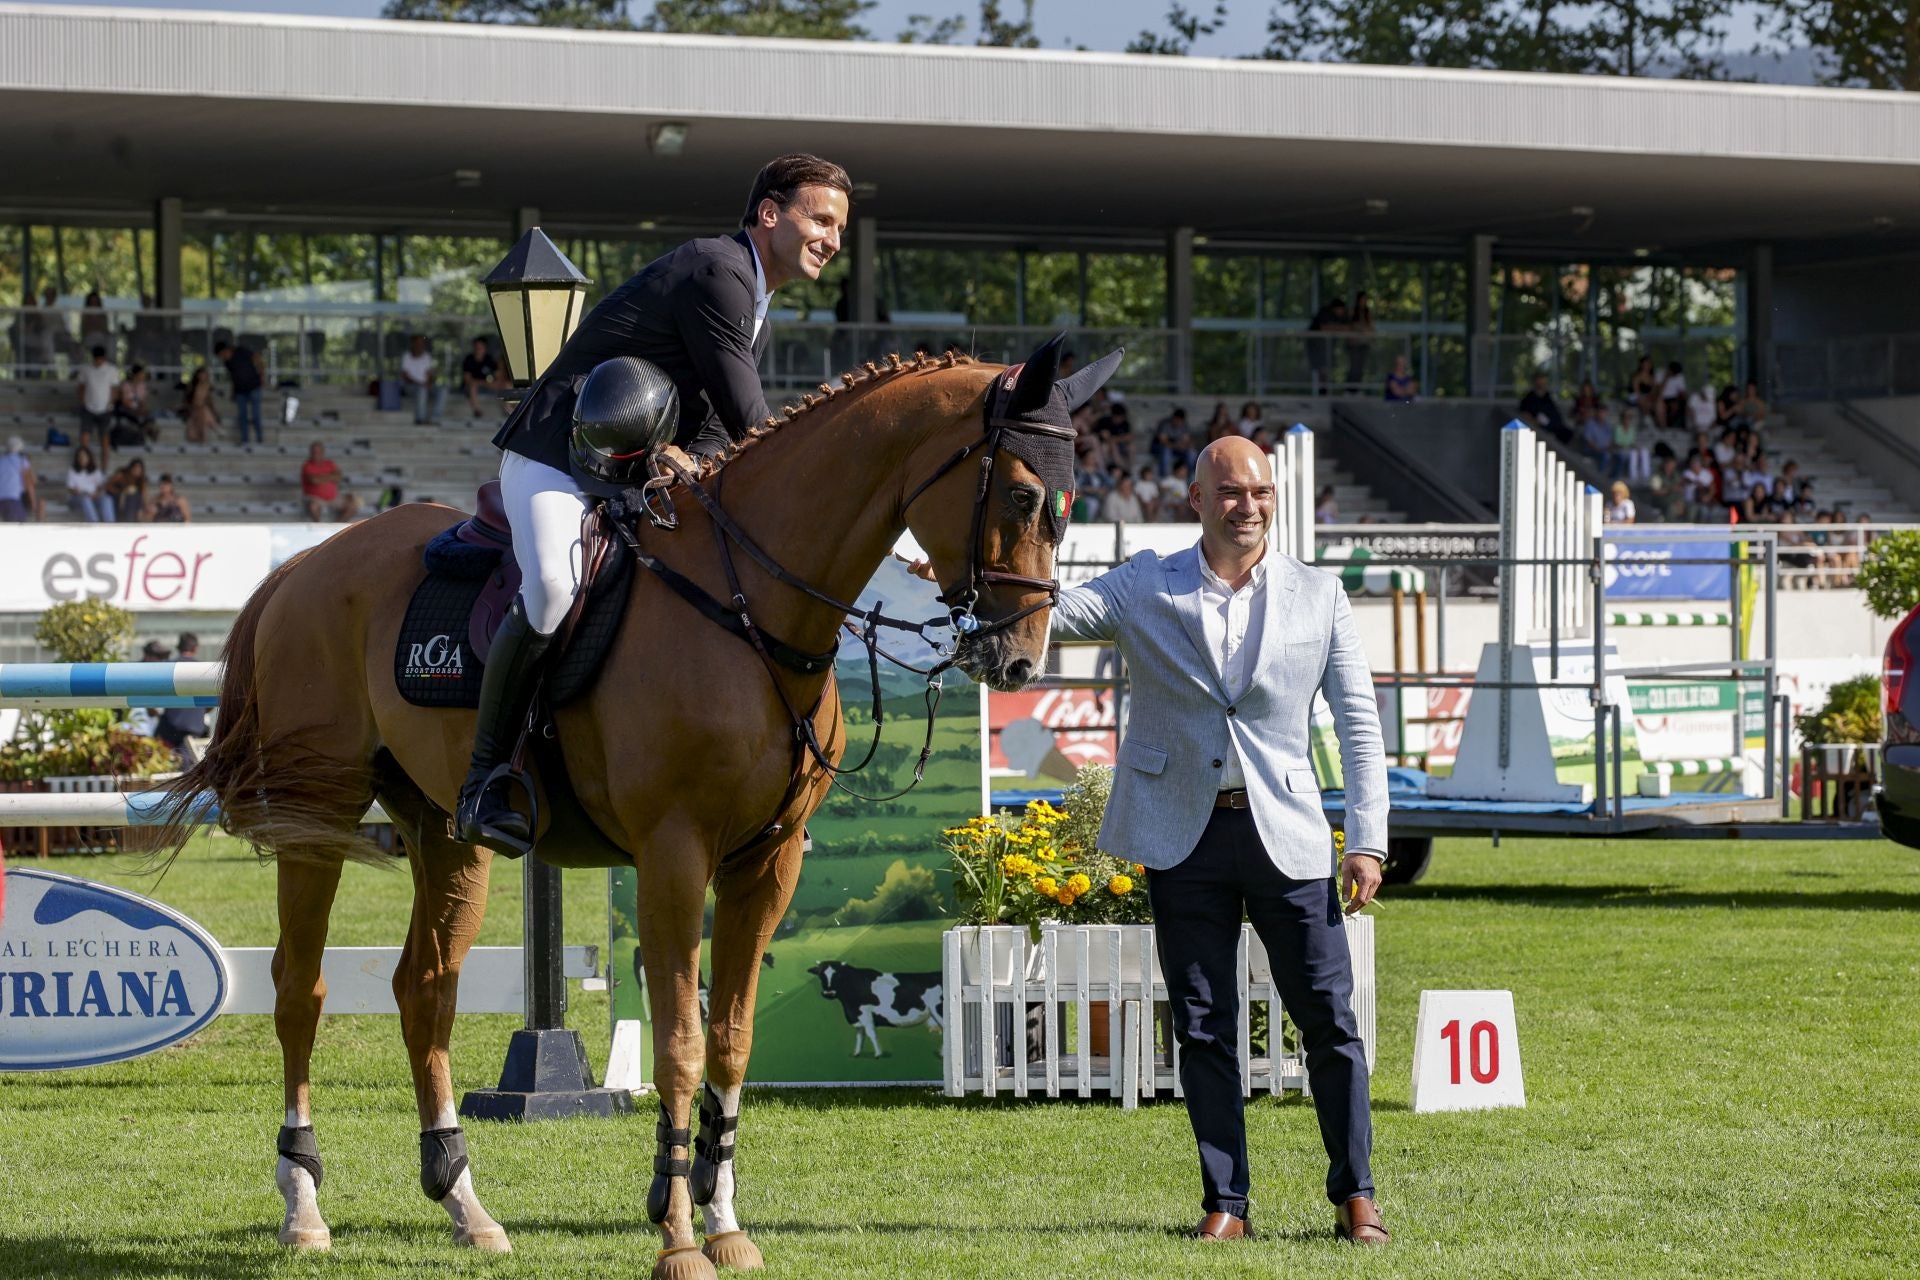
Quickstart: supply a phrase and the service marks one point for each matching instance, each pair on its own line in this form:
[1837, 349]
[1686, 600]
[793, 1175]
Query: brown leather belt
[1235, 799]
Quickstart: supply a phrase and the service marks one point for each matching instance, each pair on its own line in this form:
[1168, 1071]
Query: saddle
[471, 581]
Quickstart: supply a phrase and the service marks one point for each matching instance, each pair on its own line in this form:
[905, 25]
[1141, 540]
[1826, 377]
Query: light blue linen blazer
[1180, 720]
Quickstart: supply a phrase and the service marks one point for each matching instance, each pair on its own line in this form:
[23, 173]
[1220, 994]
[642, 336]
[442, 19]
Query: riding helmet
[626, 408]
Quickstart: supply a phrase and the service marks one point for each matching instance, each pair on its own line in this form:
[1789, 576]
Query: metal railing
[1504, 364]
[1886, 364]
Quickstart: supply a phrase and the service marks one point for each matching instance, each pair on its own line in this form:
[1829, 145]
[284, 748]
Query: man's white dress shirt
[1233, 622]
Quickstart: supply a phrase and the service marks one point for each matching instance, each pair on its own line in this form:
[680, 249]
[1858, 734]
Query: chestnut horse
[683, 753]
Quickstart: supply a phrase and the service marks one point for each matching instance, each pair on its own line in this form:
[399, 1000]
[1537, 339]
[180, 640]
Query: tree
[792, 19]
[1679, 38]
[1183, 28]
[1870, 44]
[1004, 32]
[602, 15]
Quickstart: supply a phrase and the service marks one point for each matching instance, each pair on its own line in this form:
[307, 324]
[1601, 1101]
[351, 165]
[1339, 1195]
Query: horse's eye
[1025, 498]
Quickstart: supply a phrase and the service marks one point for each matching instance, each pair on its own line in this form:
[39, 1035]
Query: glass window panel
[1287, 292]
[1126, 290]
[1053, 289]
[1226, 286]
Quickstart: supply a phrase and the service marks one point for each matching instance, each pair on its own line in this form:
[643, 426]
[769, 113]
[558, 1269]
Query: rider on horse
[699, 315]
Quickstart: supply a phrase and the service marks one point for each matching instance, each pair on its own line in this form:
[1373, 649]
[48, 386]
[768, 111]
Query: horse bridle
[963, 598]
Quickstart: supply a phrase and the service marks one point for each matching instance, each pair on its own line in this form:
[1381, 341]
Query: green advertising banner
[850, 992]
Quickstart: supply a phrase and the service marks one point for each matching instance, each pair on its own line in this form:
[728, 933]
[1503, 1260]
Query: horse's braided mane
[866, 375]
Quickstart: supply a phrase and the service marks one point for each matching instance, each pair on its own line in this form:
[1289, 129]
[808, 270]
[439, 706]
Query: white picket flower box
[1079, 980]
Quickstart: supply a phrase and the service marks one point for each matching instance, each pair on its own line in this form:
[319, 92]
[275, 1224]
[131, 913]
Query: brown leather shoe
[1358, 1222]
[1222, 1226]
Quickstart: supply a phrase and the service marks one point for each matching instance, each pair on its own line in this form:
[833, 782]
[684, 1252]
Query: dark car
[1899, 799]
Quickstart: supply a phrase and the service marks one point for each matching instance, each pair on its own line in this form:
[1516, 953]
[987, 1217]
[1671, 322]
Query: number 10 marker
[1466, 1053]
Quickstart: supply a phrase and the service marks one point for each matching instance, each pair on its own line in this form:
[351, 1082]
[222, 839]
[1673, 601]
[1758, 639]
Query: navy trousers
[1197, 911]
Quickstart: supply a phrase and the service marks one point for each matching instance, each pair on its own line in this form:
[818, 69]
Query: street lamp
[537, 295]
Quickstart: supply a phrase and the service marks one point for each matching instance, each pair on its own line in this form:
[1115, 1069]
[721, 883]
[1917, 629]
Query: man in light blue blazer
[1226, 644]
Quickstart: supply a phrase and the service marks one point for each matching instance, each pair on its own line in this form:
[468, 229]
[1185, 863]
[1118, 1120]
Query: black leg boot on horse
[486, 814]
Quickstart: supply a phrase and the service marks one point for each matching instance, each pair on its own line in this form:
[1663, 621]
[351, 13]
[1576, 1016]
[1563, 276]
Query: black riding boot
[486, 814]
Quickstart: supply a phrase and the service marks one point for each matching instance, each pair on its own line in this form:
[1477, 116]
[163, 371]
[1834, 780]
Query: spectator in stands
[1596, 439]
[133, 409]
[99, 384]
[145, 720]
[196, 408]
[1753, 508]
[95, 329]
[1619, 504]
[1326, 507]
[18, 501]
[1402, 386]
[1175, 506]
[1123, 505]
[1724, 450]
[1221, 423]
[1726, 408]
[1667, 490]
[168, 507]
[1587, 404]
[1752, 407]
[1702, 486]
[1359, 330]
[1330, 319]
[422, 381]
[127, 488]
[1702, 409]
[1537, 407]
[320, 487]
[1671, 409]
[1146, 484]
[1628, 457]
[177, 725]
[1786, 485]
[1115, 431]
[248, 373]
[1249, 419]
[1172, 439]
[85, 483]
[481, 372]
[1796, 551]
[1644, 388]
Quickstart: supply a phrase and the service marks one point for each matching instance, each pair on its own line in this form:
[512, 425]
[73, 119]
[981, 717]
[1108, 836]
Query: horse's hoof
[733, 1250]
[683, 1263]
[486, 1240]
[306, 1239]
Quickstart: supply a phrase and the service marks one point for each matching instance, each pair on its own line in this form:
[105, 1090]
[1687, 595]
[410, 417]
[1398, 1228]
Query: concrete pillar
[1480, 354]
[1180, 306]
[1759, 318]
[866, 271]
[167, 238]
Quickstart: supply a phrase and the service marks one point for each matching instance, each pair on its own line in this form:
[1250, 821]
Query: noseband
[963, 598]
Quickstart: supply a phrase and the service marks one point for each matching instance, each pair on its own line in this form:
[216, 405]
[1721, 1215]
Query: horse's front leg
[449, 903]
[672, 880]
[749, 902]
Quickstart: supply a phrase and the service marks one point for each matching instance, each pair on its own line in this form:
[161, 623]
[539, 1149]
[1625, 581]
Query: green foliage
[1850, 714]
[604, 15]
[1183, 28]
[904, 893]
[789, 19]
[86, 630]
[1866, 44]
[1890, 573]
[86, 747]
[1680, 38]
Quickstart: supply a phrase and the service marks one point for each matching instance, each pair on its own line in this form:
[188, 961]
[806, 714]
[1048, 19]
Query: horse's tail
[285, 800]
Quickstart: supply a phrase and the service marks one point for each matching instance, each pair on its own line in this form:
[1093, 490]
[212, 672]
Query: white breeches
[545, 508]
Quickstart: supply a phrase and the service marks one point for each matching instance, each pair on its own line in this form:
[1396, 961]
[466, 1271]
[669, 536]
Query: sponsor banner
[1050, 732]
[91, 974]
[1643, 569]
[141, 567]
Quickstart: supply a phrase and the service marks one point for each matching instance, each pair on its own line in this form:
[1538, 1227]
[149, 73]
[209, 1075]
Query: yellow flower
[1340, 841]
[1046, 886]
[1078, 884]
[1065, 898]
[1120, 886]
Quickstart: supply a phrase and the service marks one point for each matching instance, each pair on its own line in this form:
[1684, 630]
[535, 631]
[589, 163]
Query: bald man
[1226, 643]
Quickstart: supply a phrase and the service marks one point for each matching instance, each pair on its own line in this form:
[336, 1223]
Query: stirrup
[477, 832]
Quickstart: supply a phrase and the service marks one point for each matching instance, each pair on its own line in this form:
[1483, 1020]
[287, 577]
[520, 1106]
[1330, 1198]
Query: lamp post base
[545, 1078]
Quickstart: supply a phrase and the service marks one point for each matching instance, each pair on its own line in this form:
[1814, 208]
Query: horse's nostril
[1020, 670]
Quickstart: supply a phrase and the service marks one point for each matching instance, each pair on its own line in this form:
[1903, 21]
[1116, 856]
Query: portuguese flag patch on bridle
[1062, 503]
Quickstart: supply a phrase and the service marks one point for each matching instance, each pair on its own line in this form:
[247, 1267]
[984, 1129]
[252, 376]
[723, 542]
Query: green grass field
[1719, 1046]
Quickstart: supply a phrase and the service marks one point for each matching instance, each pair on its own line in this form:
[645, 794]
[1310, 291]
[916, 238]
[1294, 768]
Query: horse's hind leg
[306, 898]
[449, 902]
[749, 900]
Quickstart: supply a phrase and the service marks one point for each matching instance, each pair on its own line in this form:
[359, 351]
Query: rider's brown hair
[787, 174]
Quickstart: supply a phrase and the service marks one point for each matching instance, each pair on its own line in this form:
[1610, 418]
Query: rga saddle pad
[435, 665]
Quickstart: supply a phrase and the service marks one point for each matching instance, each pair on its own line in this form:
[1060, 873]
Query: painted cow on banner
[869, 997]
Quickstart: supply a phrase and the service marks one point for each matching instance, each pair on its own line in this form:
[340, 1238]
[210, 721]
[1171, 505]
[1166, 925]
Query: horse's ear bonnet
[1039, 399]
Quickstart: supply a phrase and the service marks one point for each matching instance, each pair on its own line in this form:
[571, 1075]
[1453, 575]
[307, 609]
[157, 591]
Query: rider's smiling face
[798, 239]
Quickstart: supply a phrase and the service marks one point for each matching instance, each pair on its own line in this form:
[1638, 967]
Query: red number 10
[1484, 1071]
